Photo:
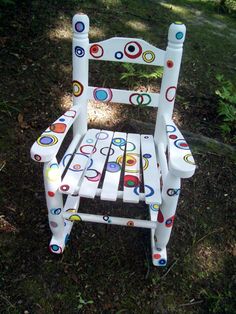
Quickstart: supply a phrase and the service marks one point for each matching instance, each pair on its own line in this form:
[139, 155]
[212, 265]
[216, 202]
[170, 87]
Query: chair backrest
[130, 50]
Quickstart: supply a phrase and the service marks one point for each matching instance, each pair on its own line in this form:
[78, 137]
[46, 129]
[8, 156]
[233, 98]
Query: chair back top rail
[137, 98]
[131, 50]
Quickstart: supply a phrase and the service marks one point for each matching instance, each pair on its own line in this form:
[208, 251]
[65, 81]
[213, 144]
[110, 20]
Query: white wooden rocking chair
[137, 161]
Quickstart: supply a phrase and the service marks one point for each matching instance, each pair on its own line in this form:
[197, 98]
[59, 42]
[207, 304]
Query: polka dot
[162, 262]
[64, 187]
[189, 159]
[170, 128]
[58, 127]
[53, 224]
[119, 55]
[147, 156]
[79, 52]
[55, 211]
[113, 167]
[55, 248]
[156, 256]
[37, 157]
[106, 218]
[102, 94]
[160, 217]
[148, 56]
[173, 136]
[77, 88]
[47, 140]
[170, 63]
[131, 181]
[79, 27]
[154, 207]
[51, 194]
[61, 119]
[96, 51]
[182, 144]
[130, 223]
[179, 35]
[118, 141]
[133, 50]
[75, 218]
[87, 149]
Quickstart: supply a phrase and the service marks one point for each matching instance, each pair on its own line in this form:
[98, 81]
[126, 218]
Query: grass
[108, 269]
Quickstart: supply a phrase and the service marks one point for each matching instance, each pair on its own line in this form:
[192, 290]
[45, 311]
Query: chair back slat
[131, 50]
[123, 96]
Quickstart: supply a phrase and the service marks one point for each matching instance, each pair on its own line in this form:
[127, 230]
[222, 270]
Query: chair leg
[52, 180]
[165, 217]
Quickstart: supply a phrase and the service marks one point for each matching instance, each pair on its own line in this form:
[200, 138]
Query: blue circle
[147, 155]
[162, 261]
[179, 35]
[182, 144]
[101, 94]
[118, 141]
[119, 55]
[61, 119]
[170, 128]
[55, 211]
[55, 247]
[151, 190]
[113, 166]
[79, 27]
[79, 51]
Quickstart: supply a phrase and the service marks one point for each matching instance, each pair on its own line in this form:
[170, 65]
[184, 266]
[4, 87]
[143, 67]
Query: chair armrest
[48, 144]
[181, 162]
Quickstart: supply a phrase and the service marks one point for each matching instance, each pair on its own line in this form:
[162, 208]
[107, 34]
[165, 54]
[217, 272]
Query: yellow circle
[77, 88]
[75, 218]
[148, 56]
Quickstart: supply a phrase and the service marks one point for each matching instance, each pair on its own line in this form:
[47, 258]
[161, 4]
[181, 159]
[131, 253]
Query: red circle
[183, 144]
[95, 49]
[156, 256]
[51, 194]
[137, 54]
[64, 187]
[131, 181]
[172, 136]
[37, 157]
[170, 63]
[160, 217]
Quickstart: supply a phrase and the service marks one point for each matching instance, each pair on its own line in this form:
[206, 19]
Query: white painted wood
[137, 98]
[111, 220]
[130, 50]
[151, 172]
[170, 78]
[162, 160]
[48, 144]
[93, 174]
[132, 169]
[113, 168]
[80, 54]
[79, 163]
[120, 195]
[181, 162]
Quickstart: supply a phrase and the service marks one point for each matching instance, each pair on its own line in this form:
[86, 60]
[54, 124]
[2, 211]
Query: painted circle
[106, 218]
[55, 248]
[154, 207]
[130, 223]
[133, 50]
[148, 56]
[189, 159]
[51, 194]
[102, 135]
[75, 217]
[87, 149]
[64, 187]
[118, 141]
[53, 224]
[113, 166]
[89, 140]
[93, 175]
[179, 35]
[170, 128]
[143, 99]
[47, 140]
[182, 144]
[61, 119]
[170, 63]
[96, 51]
[162, 262]
[77, 88]
[37, 157]
[151, 190]
[131, 181]
[79, 27]
[102, 94]
[173, 137]
[129, 147]
[156, 256]
[55, 211]
[79, 51]
[119, 55]
[170, 93]
[169, 222]
[107, 151]
[146, 137]
[147, 156]
[173, 192]
[76, 167]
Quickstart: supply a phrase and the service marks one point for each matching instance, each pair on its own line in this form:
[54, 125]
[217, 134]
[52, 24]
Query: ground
[108, 269]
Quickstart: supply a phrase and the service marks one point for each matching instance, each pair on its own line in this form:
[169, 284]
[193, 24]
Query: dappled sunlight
[176, 8]
[66, 102]
[96, 32]
[138, 26]
[62, 29]
[209, 258]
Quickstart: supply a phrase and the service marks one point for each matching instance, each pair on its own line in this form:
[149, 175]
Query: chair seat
[108, 164]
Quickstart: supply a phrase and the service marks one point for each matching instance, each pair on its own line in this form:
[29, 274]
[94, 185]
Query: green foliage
[227, 106]
[7, 2]
[82, 302]
[133, 73]
[7, 109]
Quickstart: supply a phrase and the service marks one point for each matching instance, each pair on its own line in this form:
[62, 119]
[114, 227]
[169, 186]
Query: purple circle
[46, 140]
[79, 27]
[113, 166]
[147, 155]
